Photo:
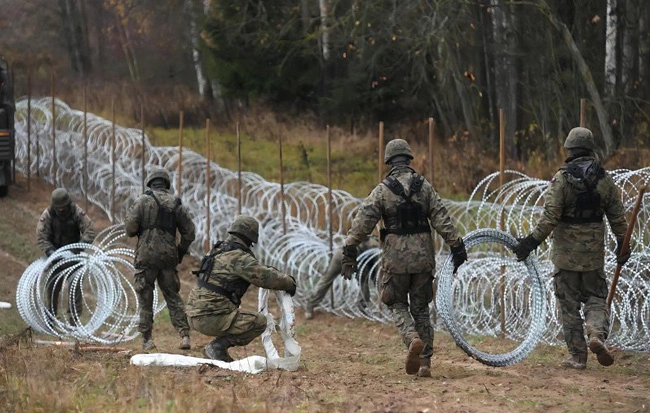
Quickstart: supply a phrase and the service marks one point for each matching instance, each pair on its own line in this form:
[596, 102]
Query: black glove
[349, 261]
[525, 247]
[292, 290]
[459, 254]
[622, 259]
[181, 254]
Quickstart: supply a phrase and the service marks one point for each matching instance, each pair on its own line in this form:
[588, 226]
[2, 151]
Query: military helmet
[395, 148]
[158, 173]
[245, 226]
[60, 198]
[580, 138]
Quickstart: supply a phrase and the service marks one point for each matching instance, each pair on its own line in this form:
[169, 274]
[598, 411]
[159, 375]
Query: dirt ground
[347, 365]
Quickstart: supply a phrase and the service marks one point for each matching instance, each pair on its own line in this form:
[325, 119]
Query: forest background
[287, 69]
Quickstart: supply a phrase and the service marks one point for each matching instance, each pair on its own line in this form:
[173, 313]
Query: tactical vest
[410, 218]
[583, 177]
[165, 217]
[233, 290]
[65, 230]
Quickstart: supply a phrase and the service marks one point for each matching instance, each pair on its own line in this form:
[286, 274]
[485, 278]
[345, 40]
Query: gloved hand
[459, 254]
[292, 290]
[525, 247]
[181, 254]
[622, 259]
[349, 261]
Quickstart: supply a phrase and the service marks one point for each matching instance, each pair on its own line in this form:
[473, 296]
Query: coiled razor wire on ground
[528, 292]
[101, 273]
[303, 250]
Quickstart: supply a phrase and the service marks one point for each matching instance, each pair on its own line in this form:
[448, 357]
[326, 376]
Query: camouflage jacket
[157, 248]
[234, 271]
[411, 253]
[54, 231]
[579, 247]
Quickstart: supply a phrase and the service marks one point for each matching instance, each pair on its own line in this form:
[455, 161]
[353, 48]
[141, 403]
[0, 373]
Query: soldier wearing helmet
[155, 218]
[580, 195]
[63, 223]
[223, 279]
[409, 208]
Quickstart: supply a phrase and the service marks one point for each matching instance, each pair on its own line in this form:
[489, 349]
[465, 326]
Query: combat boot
[601, 351]
[148, 344]
[578, 362]
[218, 350]
[309, 312]
[413, 356]
[185, 343]
[425, 368]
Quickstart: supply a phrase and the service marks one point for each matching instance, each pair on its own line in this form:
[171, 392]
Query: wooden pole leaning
[29, 128]
[208, 185]
[380, 163]
[112, 217]
[238, 171]
[85, 160]
[329, 200]
[583, 120]
[179, 179]
[53, 130]
[502, 162]
[626, 245]
[144, 148]
[432, 126]
[283, 206]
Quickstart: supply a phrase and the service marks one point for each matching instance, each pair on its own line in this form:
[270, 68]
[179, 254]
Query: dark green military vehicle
[7, 139]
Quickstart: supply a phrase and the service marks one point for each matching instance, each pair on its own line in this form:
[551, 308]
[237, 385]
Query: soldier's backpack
[166, 217]
[583, 178]
[410, 217]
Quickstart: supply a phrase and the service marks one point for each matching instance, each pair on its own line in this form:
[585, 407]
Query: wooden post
[329, 190]
[29, 128]
[284, 209]
[238, 171]
[381, 152]
[53, 131]
[142, 143]
[208, 184]
[431, 148]
[583, 105]
[502, 162]
[626, 245]
[179, 179]
[112, 217]
[85, 161]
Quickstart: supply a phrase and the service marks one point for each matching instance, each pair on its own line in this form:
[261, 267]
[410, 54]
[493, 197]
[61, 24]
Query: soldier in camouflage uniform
[155, 218]
[409, 207]
[63, 223]
[225, 275]
[580, 194]
[334, 270]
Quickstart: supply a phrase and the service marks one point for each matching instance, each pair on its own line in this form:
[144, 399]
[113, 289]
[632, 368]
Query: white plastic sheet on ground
[251, 364]
[5, 305]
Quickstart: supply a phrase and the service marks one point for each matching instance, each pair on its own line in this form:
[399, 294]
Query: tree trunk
[631, 47]
[610, 46]
[201, 80]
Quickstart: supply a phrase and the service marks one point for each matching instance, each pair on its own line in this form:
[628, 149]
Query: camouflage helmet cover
[60, 198]
[245, 226]
[580, 138]
[158, 173]
[397, 147]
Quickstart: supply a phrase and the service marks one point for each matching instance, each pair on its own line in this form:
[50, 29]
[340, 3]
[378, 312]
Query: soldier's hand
[621, 259]
[459, 255]
[349, 261]
[525, 246]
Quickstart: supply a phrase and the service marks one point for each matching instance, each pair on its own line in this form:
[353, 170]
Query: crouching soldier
[225, 275]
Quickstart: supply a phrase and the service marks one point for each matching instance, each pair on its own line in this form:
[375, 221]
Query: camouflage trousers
[243, 329]
[408, 297]
[327, 279]
[574, 288]
[170, 285]
[53, 291]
